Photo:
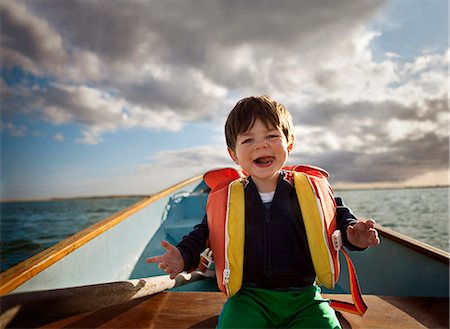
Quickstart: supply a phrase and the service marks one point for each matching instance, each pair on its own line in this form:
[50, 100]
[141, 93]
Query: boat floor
[201, 310]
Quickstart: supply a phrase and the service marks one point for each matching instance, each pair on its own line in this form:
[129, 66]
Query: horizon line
[126, 196]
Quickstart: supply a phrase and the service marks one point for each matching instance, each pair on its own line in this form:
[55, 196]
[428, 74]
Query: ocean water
[26, 228]
[421, 213]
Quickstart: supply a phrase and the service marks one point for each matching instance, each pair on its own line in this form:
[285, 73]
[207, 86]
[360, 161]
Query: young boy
[270, 272]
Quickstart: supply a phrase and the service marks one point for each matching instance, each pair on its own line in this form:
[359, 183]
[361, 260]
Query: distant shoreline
[126, 196]
[388, 188]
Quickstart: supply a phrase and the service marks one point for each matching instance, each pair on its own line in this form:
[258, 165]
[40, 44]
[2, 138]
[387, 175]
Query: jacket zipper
[226, 276]
[268, 262]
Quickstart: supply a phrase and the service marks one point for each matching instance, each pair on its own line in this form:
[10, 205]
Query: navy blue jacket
[276, 254]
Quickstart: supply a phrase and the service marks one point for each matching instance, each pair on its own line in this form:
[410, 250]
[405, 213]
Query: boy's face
[261, 152]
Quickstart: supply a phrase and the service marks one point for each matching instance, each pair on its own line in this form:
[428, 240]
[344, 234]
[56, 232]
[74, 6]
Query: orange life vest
[226, 222]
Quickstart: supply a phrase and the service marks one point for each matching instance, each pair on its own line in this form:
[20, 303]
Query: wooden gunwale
[22, 272]
[421, 247]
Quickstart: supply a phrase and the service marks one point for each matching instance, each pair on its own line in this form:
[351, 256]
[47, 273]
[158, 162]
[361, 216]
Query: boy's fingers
[161, 258]
[357, 229]
[154, 259]
[165, 244]
[351, 230]
[376, 239]
[370, 223]
[171, 272]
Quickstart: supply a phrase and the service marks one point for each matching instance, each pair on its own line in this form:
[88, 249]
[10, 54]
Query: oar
[39, 307]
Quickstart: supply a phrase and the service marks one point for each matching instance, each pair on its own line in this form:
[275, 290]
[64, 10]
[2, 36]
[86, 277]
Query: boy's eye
[272, 136]
[247, 140]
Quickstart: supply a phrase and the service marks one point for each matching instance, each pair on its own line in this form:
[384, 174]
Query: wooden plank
[201, 310]
[432, 312]
[17, 275]
[397, 312]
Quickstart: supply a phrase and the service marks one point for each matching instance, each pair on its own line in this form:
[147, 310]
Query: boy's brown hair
[244, 114]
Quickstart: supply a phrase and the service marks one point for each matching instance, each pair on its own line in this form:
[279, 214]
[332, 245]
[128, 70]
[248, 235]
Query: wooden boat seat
[201, 310]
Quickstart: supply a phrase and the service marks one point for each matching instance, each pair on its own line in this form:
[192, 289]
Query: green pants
[263, 308]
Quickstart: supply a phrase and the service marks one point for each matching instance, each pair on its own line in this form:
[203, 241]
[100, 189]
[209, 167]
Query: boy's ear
[233, 155]
[290, 144]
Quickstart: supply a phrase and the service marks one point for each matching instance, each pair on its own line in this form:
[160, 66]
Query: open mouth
[264, 161]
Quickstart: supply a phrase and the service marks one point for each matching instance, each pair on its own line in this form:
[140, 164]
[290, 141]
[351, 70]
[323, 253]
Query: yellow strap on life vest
[315, 232]
[234, 243]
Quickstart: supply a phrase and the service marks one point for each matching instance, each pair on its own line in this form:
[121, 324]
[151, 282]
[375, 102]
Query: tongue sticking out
[264, 161]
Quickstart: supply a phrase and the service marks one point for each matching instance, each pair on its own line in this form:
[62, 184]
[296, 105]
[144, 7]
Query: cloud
[13, 130]
[58, 137]
[375, 142]
[396, 162]
[89, 106]
[191, 161]
[28, 41]
[159, 65]
[98, 112]
[165, 57]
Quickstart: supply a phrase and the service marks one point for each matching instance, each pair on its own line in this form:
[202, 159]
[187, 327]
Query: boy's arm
[186, 255]
[345, 218]
[356, 234]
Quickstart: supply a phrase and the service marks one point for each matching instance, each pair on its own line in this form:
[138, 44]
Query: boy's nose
[261, 143]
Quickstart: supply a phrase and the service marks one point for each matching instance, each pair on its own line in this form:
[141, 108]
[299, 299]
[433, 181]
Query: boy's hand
[363, 234]
[171, 262]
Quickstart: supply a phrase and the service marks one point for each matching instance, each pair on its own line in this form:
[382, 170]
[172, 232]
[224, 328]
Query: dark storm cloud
[186, 29]
[337, 113]
[183, 39]
[402, 160]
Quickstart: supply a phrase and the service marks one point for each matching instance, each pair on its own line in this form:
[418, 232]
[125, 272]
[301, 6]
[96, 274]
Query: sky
[129, 97]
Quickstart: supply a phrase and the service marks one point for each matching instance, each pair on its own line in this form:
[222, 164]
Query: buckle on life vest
[205, 260]
[336, 239]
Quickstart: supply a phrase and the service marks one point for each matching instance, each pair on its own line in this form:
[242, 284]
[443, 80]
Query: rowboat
[99, 277]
